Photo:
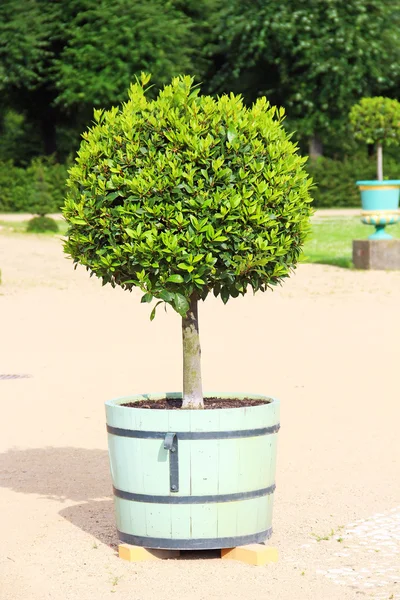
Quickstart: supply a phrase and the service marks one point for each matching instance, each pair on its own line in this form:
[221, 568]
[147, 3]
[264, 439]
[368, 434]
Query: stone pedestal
[379, 255]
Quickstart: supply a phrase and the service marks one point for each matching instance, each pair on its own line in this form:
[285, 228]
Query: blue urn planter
[380, 204]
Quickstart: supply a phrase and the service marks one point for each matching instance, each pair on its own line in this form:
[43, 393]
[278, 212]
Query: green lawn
[330, 241]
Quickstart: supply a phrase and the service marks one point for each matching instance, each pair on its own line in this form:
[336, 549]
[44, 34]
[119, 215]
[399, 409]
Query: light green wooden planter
[213, 487]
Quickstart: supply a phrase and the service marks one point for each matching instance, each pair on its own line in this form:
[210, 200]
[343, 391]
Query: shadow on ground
[64, 475]
[72, 474]
[57, 473]
[95, 517]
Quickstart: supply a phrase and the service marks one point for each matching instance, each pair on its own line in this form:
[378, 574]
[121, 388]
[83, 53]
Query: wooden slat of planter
[207, 467]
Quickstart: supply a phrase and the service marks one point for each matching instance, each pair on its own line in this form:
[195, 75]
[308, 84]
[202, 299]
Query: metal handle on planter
[171, 444]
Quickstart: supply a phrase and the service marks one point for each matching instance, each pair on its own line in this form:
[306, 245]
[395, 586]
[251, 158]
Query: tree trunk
[192, 387]
[315, 147]
[379, 156]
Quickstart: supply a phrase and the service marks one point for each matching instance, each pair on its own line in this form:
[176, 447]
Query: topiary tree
[42, 224]
[40, 199]
[376, 121]
[186, 195]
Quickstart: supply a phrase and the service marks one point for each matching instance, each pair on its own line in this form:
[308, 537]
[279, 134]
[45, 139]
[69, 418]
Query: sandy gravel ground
[326, 344]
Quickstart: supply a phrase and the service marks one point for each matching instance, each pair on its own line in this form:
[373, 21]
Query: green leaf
[130, 232]
[153, 312]
[112, 196]
[231, 134]
[147, 297]
[175, 278]
[224, 295]
[166, 296]
[144, 78]
[181, 305]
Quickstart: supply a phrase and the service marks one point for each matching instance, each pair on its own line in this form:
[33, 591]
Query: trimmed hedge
[13, 187]
[336, 180]
[39, 189]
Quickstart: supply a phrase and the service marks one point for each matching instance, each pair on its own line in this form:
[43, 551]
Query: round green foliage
[187, 194]
[376, 120]
[42, 225]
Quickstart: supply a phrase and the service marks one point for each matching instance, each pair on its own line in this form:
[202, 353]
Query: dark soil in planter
[209, 403]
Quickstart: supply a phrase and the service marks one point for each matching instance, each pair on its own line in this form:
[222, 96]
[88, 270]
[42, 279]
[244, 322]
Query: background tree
[314, 57]
[59, 59]
[109, 42]
[28, 36]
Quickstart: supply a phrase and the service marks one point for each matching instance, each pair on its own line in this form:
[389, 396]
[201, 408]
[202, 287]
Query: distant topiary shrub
[376, 121]
[46, 191]
[42, 225]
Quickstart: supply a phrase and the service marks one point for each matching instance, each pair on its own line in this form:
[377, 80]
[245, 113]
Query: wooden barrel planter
[193, 479]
